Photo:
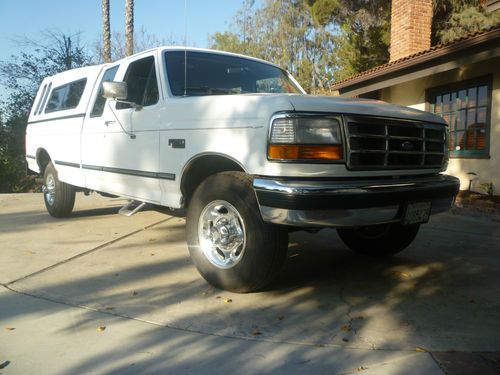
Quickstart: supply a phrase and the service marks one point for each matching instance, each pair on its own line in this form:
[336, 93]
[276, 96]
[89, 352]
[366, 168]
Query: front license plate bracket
[416, 213]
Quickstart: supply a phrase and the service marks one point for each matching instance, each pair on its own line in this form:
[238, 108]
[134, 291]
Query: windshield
[216, 74]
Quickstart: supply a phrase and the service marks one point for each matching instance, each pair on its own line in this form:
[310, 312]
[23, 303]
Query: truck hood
[306, 103]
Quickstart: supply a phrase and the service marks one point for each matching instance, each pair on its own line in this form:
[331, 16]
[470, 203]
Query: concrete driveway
[102, 293]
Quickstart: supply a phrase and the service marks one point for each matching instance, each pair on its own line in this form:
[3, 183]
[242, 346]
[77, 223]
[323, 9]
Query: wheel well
[201, 168]
[42, 159]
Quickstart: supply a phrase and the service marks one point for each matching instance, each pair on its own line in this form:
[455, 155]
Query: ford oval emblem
[407, 146]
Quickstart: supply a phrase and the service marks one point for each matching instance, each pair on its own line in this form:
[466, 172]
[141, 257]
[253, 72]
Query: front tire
[59, 196]
[379, 240]
[231, 246]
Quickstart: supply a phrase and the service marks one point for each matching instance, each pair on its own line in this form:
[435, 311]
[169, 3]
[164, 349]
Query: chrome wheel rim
[221, 234]
[50, 189]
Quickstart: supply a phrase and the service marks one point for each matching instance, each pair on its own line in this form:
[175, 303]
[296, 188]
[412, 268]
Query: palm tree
[129, 27]
[106, 32]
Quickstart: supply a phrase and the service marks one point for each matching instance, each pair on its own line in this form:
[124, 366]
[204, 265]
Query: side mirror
[118, 91]
[115, 90]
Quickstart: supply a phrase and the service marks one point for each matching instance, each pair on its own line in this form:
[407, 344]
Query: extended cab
[237, 142]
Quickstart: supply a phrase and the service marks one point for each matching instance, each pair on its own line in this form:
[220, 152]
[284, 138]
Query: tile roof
[486, 34]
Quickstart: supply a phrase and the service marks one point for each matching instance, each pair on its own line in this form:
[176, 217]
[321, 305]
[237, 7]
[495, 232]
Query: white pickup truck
[237, 142]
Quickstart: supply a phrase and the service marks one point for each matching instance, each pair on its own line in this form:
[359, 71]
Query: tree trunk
[129, 27]
[106, 32]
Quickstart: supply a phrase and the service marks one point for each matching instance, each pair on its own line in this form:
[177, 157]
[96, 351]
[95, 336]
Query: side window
[45, 97]
[100, 100]
[56, 99]
[66, 97]
[40, 100]
[142, 83]
[74, 94]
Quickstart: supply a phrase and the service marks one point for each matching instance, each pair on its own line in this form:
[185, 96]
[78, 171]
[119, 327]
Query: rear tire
[59, 196]
[379, 240]
[231, 246]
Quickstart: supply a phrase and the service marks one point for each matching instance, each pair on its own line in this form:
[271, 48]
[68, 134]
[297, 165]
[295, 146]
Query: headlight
[305, 138]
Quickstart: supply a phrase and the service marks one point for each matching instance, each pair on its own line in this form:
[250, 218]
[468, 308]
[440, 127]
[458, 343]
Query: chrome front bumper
[340, 203]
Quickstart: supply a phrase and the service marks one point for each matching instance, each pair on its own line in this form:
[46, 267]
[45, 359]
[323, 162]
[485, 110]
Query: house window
[466, 107]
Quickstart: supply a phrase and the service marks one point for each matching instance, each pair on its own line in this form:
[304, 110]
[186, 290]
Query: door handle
[107, 123]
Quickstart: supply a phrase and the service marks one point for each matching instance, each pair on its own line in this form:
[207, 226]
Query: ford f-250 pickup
[237, 143]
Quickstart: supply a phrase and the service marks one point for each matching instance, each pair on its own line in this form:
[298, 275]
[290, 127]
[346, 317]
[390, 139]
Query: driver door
[120, 144]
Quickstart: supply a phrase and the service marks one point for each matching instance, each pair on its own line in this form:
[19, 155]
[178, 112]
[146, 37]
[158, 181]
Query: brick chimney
[411, 22]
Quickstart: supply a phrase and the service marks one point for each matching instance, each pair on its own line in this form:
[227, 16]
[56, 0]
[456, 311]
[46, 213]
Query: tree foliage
[456, 19]
[282, 32]
[318, 41]
[143, 40]
[12, 170]
[361, 32]
[21, 76]
[363, 37]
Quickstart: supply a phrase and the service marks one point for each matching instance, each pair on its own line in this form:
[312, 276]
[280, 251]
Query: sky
[166, 19]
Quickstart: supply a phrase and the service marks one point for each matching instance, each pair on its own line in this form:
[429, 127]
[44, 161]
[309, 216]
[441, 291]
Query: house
[459, 81]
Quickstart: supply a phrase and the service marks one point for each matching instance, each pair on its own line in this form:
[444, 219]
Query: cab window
[100, 100]
[141, 82]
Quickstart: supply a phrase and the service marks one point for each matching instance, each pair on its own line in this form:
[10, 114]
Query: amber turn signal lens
[300, 152]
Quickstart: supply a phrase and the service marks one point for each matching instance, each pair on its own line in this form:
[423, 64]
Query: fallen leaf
[9, 328]
[152, 239]
[4, 364]
[361, 368]
[217, 297]
[401, 275]
[345, 329]
[110, 308]
[101, 328]
[228, 300]
[345, 340]
[420, 350]
[29, 252]
[256, 333]
[152, 254]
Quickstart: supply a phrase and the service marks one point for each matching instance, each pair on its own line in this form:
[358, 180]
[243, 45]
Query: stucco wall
[412, 94]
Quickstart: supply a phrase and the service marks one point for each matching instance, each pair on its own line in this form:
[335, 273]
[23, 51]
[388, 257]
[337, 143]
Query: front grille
[380, 143]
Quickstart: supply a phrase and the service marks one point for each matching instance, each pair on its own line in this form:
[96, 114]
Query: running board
[131, 208]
